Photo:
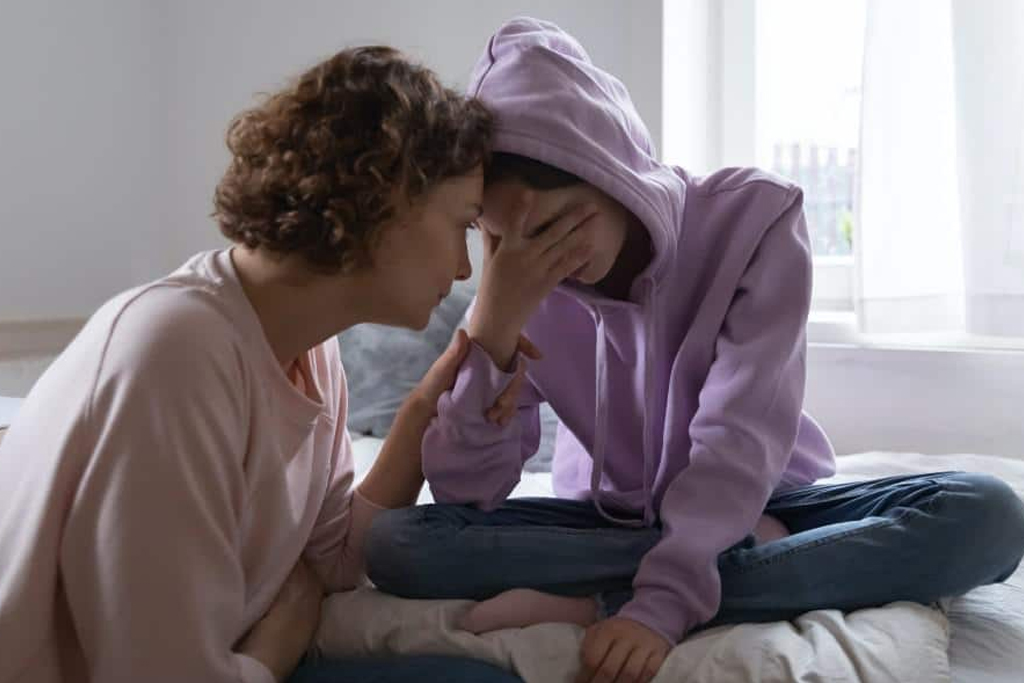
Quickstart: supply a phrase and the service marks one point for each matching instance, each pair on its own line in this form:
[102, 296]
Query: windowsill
[840, 327]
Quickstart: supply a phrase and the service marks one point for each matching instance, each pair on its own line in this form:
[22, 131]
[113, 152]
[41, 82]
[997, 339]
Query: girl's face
[423, 250]
[507, 202]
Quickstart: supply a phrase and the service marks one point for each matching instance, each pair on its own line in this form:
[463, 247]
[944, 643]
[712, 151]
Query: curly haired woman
[177, 491]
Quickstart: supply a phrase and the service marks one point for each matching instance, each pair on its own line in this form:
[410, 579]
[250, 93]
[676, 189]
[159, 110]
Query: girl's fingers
[562, 227]
[652, 666]
[635, 669]
[568, 248]
[490, 242]
[593, 650]
[567, 265]
[516, 234]
[613, 662]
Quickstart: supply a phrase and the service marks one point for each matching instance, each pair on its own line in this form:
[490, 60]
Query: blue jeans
[918, 538]
[420, 668]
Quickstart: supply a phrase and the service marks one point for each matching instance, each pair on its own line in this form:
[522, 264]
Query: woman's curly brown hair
[319, 166]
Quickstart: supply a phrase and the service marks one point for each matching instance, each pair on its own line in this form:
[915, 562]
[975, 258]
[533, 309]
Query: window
[781, 81]
[807, 108]
[852, 100]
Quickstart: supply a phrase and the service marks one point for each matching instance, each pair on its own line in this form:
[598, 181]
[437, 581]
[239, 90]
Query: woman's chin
[409, 320]
[417, 322]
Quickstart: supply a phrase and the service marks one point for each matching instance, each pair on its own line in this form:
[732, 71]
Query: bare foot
[521, 607]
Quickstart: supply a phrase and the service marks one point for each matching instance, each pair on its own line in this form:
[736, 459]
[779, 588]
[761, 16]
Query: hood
[552, 104]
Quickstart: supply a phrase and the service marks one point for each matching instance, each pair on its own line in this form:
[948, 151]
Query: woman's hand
[506, 405]
[285, 632]
[441, 375]
[519, 271]
[441, 378]
[396, 476]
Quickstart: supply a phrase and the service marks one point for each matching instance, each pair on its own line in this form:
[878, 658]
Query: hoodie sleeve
[468, 460]
[742, 435]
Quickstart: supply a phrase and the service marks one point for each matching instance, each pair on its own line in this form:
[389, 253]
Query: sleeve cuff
[481, 381]
[658, 610]
[252, 670]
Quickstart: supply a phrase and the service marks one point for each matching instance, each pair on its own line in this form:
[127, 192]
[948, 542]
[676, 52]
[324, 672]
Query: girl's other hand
[620, 650]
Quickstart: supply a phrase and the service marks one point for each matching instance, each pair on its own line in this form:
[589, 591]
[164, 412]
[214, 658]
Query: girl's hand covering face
[520, 270]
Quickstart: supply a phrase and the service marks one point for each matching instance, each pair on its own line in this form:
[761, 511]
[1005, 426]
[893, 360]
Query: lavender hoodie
[682, 405]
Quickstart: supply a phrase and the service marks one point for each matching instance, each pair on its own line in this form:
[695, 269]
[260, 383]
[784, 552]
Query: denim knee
[394, 550]
[989, 510]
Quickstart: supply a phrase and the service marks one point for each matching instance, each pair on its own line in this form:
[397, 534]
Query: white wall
[917, 400]
[82, 137]
[115, 110]
[690, 84]
[111, 141]
[708, 83]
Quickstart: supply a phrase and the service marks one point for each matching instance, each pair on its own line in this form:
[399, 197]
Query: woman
[176, 492]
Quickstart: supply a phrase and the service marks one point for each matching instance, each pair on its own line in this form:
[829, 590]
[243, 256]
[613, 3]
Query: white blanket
[902, 642]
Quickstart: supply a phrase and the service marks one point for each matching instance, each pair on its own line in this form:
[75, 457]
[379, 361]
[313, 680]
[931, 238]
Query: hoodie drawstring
[650, 339]
[601, 421]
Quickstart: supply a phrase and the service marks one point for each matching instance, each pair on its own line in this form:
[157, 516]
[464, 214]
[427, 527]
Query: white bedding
[984, 635]
[987, 624]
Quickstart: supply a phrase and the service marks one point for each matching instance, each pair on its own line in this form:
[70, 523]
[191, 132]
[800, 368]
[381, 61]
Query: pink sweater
[159, 484]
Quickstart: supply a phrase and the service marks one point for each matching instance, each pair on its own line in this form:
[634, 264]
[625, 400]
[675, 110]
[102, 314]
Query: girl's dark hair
[534, 174]
[319, 166]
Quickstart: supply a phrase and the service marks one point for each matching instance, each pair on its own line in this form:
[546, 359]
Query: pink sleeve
[149, 555]
[335, 548]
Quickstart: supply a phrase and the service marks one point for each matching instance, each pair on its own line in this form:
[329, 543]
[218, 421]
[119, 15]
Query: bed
[975, 638]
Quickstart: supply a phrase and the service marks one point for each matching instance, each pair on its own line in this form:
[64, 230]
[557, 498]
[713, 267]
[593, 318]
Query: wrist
[499, 343]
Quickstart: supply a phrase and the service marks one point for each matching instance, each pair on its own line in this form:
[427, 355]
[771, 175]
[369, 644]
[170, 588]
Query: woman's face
[508, 203]
[423, 250]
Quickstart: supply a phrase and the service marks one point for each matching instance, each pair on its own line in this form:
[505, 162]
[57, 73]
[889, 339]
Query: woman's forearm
[396, 477]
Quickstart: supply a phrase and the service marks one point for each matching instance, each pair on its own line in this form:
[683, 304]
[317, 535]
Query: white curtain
[940, 227]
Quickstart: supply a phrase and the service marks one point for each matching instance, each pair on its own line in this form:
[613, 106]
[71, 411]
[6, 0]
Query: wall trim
[30, 338]
[939, 400]
[934, 401]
